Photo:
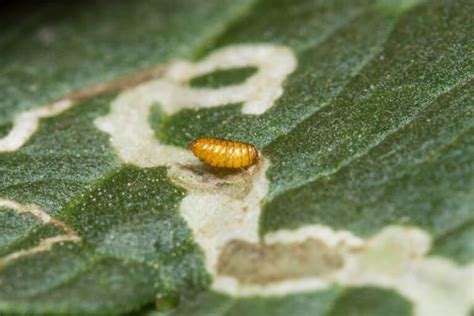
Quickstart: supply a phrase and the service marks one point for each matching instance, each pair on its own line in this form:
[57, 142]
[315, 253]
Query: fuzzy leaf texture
[362, 202]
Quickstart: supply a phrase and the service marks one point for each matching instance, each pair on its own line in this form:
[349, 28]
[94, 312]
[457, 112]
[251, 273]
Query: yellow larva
[223, 153]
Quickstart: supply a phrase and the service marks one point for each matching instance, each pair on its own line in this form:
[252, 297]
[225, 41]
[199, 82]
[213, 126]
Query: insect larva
[223, 153]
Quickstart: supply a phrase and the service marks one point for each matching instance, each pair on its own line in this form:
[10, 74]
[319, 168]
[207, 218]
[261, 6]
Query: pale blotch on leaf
[261, 263]
[395, 258]
[221, 208]
[26, 123]
[130, 110]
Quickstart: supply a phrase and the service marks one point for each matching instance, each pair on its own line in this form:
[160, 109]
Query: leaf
[334, 302]
[362, 202]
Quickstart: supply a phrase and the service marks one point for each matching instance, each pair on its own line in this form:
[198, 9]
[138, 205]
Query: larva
[222, 153]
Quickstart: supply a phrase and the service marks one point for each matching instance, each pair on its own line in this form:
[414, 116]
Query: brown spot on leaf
[261, 263]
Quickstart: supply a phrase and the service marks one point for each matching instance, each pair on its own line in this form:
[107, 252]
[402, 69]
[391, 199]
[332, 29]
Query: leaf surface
[373, 129]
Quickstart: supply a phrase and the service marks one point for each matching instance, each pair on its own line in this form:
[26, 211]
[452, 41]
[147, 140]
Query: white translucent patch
[257, 93]
[219, 210]
[26, 123]
[130, 133]
[395, 258]
[45, 244]
[319, 232]
[127, 123]
[273, 63]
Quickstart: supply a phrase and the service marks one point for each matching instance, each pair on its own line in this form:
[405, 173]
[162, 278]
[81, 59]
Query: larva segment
[223, 153]
[237, 161]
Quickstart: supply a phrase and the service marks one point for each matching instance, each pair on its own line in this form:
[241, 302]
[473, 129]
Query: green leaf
[362, 200]
[334, 302]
